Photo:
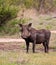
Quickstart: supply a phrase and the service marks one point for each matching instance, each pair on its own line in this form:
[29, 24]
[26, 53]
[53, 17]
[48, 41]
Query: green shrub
[28, 3]
[54, 3]
[12, 27]
[48, 27]
[7, 11]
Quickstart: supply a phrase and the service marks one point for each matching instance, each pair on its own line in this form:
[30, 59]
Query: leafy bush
[48, 27]
[12, 26]
[54, 3]
[28, 3]
[7, 11]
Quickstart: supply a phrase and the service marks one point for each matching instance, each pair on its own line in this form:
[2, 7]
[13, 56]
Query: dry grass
[15, 54]
[22, 58]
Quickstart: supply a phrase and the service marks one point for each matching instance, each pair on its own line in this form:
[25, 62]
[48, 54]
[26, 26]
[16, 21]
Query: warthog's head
[25, 30]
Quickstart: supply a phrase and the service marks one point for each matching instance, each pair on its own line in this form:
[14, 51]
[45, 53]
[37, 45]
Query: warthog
[34, 36]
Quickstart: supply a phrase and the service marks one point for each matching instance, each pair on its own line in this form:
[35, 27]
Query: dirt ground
[8, 44]
[22, 47]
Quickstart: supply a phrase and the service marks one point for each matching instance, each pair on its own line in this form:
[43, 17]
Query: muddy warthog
[34, 36]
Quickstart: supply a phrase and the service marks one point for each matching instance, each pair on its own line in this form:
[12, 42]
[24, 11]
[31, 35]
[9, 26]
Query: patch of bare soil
[10, 46]
[19, 47]
[27, 13]
[33, 14]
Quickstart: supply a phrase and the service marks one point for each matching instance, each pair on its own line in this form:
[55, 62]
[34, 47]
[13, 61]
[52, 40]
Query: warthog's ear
[30, 24]
[20, 25]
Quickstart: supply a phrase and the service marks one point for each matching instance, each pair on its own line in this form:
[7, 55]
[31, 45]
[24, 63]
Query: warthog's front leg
[27, 46]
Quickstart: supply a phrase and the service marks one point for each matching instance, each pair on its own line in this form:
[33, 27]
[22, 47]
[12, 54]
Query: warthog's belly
[40, 38]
